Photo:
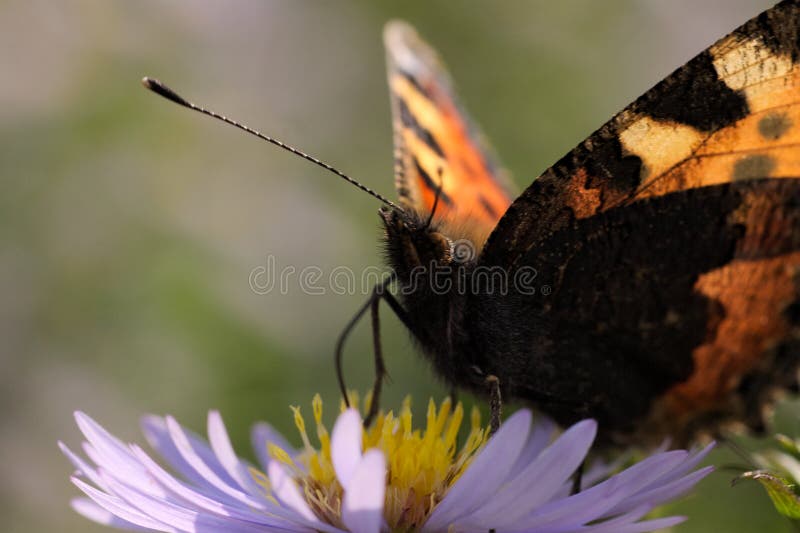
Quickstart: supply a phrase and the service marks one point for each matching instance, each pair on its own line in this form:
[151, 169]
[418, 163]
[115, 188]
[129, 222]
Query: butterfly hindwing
[644, 309]
[720, 135]
[436, 143]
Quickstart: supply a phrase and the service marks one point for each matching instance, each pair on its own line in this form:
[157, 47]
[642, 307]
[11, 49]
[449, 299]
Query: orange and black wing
[671, 236]
[436, 143]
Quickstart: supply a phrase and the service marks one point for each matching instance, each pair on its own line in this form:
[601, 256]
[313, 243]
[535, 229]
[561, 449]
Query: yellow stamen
[422, 464]
[277, 453]
[316, 405]
[300, 422]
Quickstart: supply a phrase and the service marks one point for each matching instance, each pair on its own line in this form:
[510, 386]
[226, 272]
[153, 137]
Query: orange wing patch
[745, 289]
[436, 144]
[763, 144]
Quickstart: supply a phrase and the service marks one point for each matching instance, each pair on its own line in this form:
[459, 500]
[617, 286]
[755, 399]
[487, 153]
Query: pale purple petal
[135, 492]
[221, 445]
[179, 517]
[657, 524]
[531, 496]
[346, 445]
[120, 508]
[286, 490]
[629, 523]
[595, 502]
[617, 523]
[489, 469]
[569, 512]
[542, 432]
[188, 453]
[202, 502]
[695, 458]
[110, 453]
[664, 492]
[87, 508]
[640, 476]
[158, 437]
[598, 471]
[362, 508]
[537, 483]
[81, 466]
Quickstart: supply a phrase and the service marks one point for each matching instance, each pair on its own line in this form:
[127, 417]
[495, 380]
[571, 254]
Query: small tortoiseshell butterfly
[668, 242]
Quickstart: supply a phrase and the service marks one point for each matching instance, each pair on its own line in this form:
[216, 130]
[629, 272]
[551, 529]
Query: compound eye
[443, 247]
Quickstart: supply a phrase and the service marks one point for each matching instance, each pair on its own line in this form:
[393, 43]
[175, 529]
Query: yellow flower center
[422, 464]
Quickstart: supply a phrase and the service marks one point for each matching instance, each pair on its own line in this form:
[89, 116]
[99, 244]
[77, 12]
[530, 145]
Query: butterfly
[664, 249]
[649, 279]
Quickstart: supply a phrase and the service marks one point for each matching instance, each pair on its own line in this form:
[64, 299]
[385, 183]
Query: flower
[389, 477]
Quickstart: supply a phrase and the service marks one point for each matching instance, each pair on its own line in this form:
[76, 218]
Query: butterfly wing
[724, 127]
[436, 143]
[730, 114]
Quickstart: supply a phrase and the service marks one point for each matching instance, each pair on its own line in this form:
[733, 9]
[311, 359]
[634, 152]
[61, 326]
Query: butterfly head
[413, 242]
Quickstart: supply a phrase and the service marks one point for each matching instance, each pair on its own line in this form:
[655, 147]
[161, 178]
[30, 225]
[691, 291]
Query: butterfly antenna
[436, 198]
[162, 90]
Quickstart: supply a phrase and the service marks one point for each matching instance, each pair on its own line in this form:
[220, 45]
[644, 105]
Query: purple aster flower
[389, 477]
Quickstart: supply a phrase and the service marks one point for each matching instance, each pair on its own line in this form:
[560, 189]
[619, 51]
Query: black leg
[400, 312]
[495, 403]
[340, 346]
[380, 367]
[746, 456]
[380, 292]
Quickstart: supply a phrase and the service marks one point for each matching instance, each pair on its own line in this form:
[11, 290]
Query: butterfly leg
[380, 366]
[371, 304]
[495, 403]
[374, 297]
[398, 310]
[727, 440]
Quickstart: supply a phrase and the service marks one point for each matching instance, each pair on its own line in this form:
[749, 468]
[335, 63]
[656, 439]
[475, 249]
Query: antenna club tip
[162, 90]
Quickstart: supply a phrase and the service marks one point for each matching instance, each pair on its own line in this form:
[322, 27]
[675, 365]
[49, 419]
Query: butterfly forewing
[732, 113]
[436, 143]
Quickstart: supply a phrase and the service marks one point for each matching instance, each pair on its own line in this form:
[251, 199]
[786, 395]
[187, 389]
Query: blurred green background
[129, 227]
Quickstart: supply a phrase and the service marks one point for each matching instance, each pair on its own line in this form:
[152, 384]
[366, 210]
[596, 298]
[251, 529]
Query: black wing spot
[433, 187]
[608, 164]
[408, 120]
[753, 167]
[488, 207]
[695, 95]
[415, 83]
[403, 191]
[774, 125]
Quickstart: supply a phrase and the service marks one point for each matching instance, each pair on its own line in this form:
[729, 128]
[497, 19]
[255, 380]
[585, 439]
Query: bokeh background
[129, 227]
